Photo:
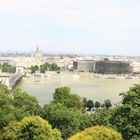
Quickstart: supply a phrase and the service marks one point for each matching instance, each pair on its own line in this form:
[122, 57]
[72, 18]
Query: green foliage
[24, 102]
[107, 103]
[97, 104]
[30, 128]
[52, 67]
[42, 69]
[126, 118]
[103, 105]
[84, 101]
[6, 107]
[102, 117]
[4, 89]
[68, 120]
[66, 113]
[16, 105]
[63, 95]
[58, 72]
[8, 68]
[34, 69]
[97, 133]
[74, 101]
[89, 104]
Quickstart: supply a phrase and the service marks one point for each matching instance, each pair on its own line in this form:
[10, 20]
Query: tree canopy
[126, 118]
[97, 104]
[8, 68]
[47, 66]
[34, 69]
[30, 128]
[90, 104]
[64, 96]
[107, 103]
[66, 113]
[102, 117]
[16, 105]
[68, 120]
[97, 133]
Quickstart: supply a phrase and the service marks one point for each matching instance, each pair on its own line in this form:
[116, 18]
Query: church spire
[37, 48]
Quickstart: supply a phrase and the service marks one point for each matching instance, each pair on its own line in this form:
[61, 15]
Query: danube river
[91, 88]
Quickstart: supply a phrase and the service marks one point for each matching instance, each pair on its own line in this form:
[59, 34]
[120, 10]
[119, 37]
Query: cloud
[74, 13]
[99, 21]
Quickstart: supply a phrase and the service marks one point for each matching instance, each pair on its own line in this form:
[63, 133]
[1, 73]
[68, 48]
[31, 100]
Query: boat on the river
[37, 81]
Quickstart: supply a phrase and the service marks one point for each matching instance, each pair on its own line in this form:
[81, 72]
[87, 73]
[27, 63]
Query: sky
[109, 27]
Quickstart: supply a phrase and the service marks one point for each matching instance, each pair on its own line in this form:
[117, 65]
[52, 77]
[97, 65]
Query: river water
[91, 88]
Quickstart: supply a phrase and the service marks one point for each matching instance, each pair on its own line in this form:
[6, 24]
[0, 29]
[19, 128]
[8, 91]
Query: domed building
[36, 58]
[37, 55]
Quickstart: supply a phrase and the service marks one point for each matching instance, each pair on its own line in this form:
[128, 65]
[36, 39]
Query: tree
[126, 117]
[34, 69]
[63, 95]
[74, 101]
[84, 101]
[30, 128]
[16, 105]
[68, 120]
[90, 105]
[25, 103]
[103, 105]
[47, 66]
[6, 108]
[8, 68]
[42, 69]
[107, 103]
[102, 117]
[97, 104]
[4, 89]
[54, 67]
[97, 133]
[58, 72]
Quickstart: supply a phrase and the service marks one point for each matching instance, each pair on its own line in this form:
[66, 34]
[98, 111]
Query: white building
[135, 67]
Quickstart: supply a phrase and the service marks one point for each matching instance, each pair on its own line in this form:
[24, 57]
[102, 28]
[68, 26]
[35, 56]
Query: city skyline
[80, 27]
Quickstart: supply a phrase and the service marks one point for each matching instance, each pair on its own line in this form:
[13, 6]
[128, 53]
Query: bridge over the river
[10, 80]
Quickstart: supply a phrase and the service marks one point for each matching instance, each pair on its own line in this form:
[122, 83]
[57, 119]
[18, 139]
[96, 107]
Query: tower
[38, 56]
[37, 49]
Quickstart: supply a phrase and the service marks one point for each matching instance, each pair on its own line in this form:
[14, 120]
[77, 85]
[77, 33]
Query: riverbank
[77, 75]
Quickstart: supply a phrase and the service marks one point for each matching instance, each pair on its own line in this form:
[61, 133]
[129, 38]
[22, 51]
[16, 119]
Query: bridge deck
[13, 79]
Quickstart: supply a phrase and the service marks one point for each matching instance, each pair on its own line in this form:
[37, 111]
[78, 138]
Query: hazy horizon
[95, 27]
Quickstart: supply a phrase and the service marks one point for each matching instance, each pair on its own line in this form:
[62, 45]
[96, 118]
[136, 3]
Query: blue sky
[74, 26]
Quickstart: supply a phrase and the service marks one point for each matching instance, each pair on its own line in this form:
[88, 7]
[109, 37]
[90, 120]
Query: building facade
[103, 66]
[84, 65]
[135, 67]
[37, 55]
[112, 67]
